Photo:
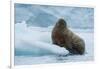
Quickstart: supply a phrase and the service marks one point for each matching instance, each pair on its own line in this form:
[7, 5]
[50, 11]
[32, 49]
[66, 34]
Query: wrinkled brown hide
[64, 37]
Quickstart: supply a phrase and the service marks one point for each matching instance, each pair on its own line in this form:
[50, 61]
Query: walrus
[64, 37]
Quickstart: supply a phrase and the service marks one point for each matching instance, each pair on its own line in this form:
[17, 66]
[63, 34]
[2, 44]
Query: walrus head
[61, 23]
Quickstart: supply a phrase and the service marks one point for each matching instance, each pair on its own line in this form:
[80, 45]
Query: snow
[33, 45]
[34, 41]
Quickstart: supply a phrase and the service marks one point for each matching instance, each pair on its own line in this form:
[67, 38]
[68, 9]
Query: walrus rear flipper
[77, 50]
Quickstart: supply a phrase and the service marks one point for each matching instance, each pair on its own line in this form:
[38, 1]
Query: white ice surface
[33, 45]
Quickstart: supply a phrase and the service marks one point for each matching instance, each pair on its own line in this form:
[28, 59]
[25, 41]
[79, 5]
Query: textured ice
[44, 15]
[33, 45]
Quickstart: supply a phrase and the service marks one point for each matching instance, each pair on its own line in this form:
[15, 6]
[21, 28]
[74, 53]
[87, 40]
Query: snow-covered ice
[33, 45]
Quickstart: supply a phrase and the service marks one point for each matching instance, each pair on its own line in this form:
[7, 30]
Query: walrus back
[78, 43]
